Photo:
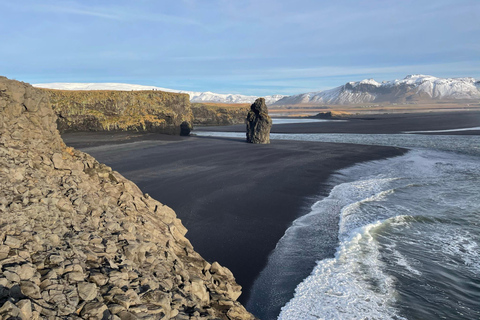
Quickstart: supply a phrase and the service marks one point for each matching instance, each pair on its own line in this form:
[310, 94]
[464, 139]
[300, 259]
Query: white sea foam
[400, 259]
[461, 247]
[402, 216]
[446, 130]
[353, 285]
[352, 216]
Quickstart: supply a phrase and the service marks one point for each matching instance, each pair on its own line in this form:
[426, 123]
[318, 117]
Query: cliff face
[219, 114]
[102, 110]
[78, 240]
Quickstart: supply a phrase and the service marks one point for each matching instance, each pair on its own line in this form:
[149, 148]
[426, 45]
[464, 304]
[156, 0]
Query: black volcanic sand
[81, 140]
[236, 199]
[379, 124]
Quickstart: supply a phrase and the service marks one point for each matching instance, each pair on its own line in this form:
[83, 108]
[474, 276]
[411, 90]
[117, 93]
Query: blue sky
[257, 47]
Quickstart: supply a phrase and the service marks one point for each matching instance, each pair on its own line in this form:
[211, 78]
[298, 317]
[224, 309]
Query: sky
[254, 47]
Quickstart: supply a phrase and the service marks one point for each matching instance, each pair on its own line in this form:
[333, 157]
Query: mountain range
[413, 88]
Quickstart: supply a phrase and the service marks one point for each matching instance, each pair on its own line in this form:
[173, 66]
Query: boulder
[185, 128]
[258, 123]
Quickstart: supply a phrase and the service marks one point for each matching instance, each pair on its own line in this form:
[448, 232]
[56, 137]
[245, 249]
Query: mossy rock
[108, 110]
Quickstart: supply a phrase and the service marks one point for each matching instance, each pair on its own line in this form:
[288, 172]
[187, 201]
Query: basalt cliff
[140, 111]
[209, 114]
[79, 241]
[109, 110]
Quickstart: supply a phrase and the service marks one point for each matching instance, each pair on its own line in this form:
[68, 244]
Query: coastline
[378, 124]
[236, 199]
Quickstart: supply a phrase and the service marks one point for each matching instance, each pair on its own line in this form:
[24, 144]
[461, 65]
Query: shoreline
[237, 199]
[245, 195]
[378, 124]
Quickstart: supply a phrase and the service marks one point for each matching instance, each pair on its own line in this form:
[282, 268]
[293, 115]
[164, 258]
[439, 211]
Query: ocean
[395, 239]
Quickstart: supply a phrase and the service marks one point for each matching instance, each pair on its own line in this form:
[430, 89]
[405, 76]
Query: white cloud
[78, 11]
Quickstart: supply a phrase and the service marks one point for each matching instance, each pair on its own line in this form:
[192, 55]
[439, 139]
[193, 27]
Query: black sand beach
[237, 199]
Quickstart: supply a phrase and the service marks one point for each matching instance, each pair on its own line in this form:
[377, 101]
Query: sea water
[395, 239]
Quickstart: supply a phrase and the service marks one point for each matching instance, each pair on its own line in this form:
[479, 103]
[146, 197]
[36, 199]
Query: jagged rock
[30, 289]
[25, 307]
[185, 128]
[258, 123]
[12, 242]
[94, 310]
[78, 240]
[87, 291]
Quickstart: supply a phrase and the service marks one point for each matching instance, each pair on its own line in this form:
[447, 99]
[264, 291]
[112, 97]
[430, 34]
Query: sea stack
[258, 122]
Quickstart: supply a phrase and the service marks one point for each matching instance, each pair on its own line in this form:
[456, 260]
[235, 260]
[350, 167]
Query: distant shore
[378, 124]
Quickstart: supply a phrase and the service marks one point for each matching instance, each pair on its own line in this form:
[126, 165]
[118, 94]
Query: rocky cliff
[219, 114]
[78, 240]
[104, 110]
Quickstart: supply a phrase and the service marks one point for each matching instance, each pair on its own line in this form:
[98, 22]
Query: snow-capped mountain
[194, 96]
[412, 88]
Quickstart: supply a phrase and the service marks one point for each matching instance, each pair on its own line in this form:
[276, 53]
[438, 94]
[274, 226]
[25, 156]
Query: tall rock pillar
[258, 123]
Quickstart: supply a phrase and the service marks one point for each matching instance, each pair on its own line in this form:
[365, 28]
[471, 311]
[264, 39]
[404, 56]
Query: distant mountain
[194, 96]
[412, 88]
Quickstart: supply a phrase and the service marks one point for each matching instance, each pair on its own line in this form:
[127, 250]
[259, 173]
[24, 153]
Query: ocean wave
[353, 285]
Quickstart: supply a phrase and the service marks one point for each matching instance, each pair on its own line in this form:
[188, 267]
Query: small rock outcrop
[185, 128]
[258, 123]
[79, 241]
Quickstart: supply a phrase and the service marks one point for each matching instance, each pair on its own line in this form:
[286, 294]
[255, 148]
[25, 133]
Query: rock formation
[103, 110]
[185, 128]
[79, 241]
[258, 122]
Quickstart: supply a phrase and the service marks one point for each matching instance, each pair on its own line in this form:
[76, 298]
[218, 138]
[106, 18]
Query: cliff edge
[110, 110]
[79, 241]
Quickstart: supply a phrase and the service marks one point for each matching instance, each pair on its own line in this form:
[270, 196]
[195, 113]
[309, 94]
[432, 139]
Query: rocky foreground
[79, 241]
